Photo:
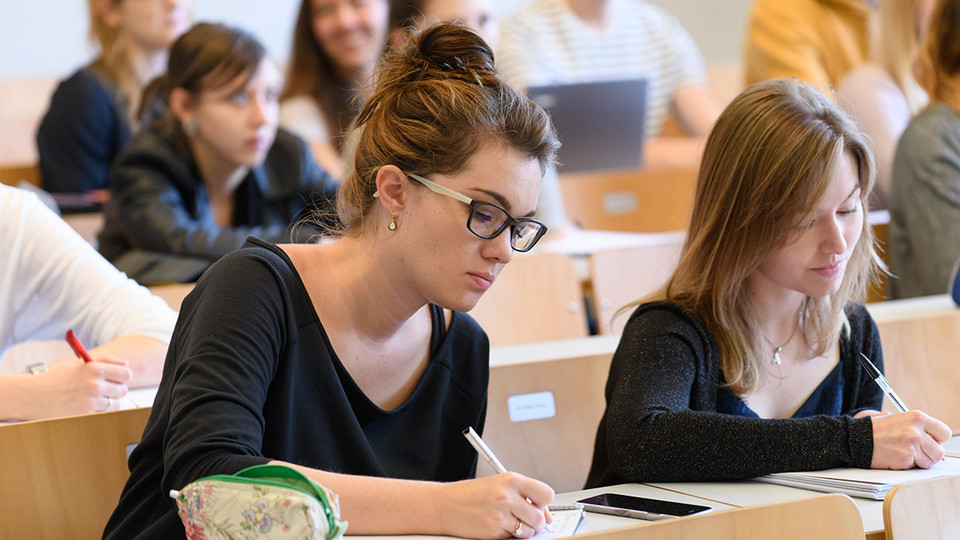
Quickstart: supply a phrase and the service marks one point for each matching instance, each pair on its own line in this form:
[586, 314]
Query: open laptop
[600, 124]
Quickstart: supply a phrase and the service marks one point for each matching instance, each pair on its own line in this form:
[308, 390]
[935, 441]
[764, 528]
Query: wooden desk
[752, 492]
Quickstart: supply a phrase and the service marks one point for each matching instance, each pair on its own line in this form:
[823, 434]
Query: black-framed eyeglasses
[488, 220]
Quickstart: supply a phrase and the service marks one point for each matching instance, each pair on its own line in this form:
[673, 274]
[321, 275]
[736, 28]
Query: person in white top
[579, 41]
[51, 281]
[883, 94]
[336, 47]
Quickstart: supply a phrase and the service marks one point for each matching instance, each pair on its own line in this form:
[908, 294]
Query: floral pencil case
[264, 501]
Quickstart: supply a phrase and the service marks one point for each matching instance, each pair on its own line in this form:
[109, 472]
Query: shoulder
[153, 148]
[85, 85]
[932, 132]
[83, 99]
[668, 318]
[861, 323]
[153, 160]
[257, 274]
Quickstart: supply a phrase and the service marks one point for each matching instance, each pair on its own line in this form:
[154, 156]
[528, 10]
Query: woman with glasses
[351, 360]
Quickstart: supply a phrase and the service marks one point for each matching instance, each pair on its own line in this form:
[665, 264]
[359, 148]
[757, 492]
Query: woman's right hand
[74, 387]
[906, 440]
[490, 507]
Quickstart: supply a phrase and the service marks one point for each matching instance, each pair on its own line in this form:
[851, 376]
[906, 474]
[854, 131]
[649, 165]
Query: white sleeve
[301, 116]
[53, 280]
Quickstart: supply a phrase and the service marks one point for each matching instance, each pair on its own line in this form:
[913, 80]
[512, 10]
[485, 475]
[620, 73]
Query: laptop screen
[600, 124]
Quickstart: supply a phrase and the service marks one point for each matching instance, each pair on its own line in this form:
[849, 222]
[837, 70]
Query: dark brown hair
[310, 72]
[207, 57]
[435, 102]
[939, 63]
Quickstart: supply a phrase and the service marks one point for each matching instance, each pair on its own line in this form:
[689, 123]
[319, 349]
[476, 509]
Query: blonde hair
[435, 102]
[114, 62]
[768, 161]
[939, 63]
[897, 46]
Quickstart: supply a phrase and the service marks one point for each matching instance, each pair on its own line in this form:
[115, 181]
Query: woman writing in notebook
[746, 363]
[350, 360]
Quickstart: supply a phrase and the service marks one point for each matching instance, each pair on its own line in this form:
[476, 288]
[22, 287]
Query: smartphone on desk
[640, 507]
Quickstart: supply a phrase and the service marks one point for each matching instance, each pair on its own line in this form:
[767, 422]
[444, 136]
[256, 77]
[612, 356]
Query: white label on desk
[620, 202]
[533, 406]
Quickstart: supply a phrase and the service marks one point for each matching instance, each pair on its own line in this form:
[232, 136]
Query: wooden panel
[831, 516]
[557, 449]
[62, 478]
[621, 276]
[13, 174]
[173, 294]
[643, 200]
[923, 510]
[880, 222]
[919, 354]
[537, 297]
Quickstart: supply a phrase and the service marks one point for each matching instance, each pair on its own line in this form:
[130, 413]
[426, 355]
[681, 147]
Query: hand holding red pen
[78, 347]
[69, 387]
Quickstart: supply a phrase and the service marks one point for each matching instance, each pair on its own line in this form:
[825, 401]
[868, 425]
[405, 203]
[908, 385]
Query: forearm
[144, 354]
[700, 446]
[375, 505]
[14, 398]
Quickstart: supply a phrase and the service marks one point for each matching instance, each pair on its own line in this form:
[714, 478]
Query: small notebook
[865, 483]
[567, 520]
[952, 447]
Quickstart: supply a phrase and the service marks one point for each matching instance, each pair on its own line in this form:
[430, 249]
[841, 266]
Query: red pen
[78, 347]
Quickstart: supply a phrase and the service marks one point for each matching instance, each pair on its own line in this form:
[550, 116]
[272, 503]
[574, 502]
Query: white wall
[47, 38]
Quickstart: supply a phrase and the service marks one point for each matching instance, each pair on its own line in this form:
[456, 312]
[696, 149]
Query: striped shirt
[545, 43]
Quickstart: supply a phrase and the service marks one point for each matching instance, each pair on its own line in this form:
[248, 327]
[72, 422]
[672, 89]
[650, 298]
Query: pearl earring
[190, 127]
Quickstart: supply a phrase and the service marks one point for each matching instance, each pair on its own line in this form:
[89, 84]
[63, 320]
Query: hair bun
[455, 50]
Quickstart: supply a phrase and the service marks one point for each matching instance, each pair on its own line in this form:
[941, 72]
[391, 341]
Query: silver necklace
[776, 350]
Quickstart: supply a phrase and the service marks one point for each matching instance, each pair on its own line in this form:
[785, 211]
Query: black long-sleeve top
[251, 376]
[662, 421]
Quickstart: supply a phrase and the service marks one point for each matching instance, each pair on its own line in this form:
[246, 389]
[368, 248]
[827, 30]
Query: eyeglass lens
[488, 220]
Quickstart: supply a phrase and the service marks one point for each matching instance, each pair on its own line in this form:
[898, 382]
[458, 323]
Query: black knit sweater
[662, 424]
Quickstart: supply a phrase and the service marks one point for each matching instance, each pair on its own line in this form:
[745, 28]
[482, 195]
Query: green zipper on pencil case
[263, 501]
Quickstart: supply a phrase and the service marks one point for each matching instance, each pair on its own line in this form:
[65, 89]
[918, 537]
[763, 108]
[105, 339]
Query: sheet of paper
[869, 483]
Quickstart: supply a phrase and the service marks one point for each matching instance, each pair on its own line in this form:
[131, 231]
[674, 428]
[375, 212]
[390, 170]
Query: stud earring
[393, 223]
[190, 127]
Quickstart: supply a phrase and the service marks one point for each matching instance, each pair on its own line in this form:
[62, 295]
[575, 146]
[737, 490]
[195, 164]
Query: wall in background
[47, 38]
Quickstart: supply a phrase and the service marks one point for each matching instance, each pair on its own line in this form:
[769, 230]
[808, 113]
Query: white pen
[881, 381]
[483, 450]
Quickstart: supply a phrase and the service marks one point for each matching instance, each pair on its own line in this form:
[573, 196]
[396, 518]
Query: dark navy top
[825, 399]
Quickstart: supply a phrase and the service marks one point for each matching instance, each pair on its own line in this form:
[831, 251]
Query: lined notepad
[567, 519]
[865, 483]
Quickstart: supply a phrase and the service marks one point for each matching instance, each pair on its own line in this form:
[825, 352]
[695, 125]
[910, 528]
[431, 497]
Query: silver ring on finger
[109, 404]
[518, 530]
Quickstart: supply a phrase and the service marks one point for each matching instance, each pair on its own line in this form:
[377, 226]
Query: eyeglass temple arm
[437, 188]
